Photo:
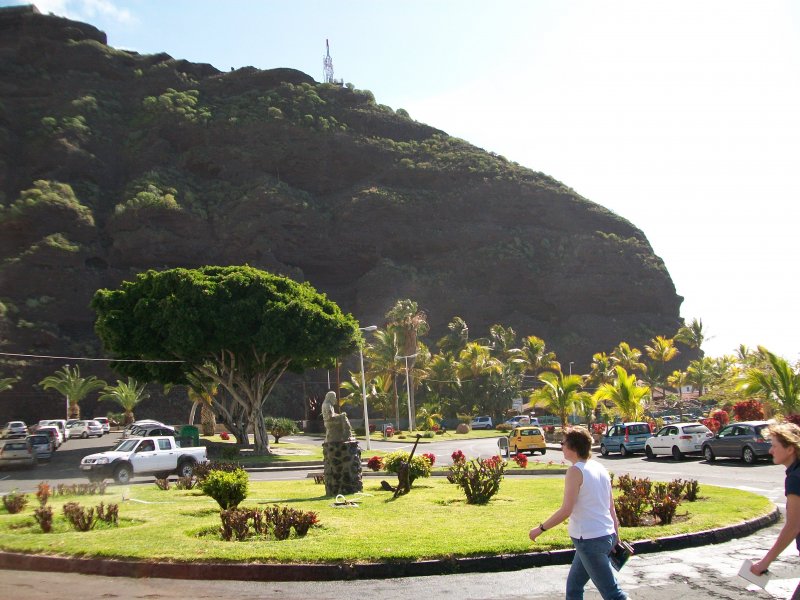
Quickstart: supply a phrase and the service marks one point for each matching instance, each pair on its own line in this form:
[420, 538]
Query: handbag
[620, 554]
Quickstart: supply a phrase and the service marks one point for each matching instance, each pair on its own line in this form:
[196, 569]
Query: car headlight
[102, 461]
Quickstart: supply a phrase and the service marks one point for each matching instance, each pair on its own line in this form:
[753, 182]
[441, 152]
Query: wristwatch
[541, 526]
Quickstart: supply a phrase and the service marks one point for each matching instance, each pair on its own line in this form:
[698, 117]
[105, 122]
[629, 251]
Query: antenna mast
[327, 63]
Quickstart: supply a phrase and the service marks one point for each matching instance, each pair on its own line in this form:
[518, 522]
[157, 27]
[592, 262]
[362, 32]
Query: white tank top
[591, 516]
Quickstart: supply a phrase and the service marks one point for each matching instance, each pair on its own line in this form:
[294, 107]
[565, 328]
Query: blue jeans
[591, 562]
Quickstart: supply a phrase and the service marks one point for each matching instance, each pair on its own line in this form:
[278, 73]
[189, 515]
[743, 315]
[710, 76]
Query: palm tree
[127, 395]
[7, 383]
[381, 355]
[779, 384]
[699, 373]
[677, 380]
[475, 366]
[628, 358]
[560, 394]
[73, 387]
[535, 356]
[203, 391]
[456, 338]
[601, 370]
[624, 394]
[692, 335]
[502, 341]
[427, 416]
[661, 350]
[409, 322]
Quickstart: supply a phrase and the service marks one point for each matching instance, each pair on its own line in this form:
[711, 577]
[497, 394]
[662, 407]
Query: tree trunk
[260, 435]
[208, 421]
[396, 403]
[74, 411]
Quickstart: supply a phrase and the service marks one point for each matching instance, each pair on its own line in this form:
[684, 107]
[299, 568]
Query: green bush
[280, 426]
[227, 488]
[420, 466]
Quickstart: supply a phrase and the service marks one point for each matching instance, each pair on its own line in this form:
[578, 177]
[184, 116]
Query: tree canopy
[237, 326]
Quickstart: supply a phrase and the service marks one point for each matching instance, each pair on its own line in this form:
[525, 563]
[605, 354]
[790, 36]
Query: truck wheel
[123, 474]
[186, 468]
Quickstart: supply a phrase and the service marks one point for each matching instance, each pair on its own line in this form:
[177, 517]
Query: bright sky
[681, 116]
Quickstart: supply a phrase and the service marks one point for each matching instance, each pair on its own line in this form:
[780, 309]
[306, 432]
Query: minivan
[482, 423]
[625, 438]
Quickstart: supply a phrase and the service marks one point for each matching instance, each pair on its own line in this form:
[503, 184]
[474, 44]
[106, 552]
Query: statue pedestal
[342, 468]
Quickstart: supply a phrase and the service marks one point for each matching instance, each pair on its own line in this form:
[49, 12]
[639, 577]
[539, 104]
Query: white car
[482, 423]
[85, 429]
[127, 432]
[677, 440]
[14, 429]
[104, 422]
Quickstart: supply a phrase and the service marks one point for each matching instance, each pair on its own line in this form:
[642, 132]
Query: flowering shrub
[375, 463]
[793, 419]
[521, 460]
[458, 457]
[479, 478]
[721, 416]
[431, 457]
[225, 436]
[748, 410]
[652, 425]
[549, 429]
[599, 427]
[712, 424]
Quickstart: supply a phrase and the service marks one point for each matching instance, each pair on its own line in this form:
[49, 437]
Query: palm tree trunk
[396, 403]
[208, 421]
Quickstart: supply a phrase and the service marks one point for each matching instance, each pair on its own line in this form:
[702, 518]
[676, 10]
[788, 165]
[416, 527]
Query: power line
[87, 358]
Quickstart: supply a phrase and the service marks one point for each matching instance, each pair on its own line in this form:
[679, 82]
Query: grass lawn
[432, 521]
[405, 437]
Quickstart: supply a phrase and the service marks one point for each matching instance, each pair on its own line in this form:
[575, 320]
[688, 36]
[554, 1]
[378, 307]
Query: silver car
[41, 445]
[16, 452]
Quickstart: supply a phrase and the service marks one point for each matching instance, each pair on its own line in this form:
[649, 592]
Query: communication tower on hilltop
[327, 63]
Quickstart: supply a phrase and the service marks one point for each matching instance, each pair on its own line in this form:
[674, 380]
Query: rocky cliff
[113, 162]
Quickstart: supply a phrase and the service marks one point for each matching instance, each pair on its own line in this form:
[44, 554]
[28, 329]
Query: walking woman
[785, 451]
[593, 524]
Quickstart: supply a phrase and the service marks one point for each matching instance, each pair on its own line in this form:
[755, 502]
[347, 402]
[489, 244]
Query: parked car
[160, 456]
[625, 438]
[126, 433]
[670, 419]
[527, 438]
[41, 446]
[153, 430]
[85, 429]
[16, 452]
[482, 423]
[54, 434]
[519, 420]
[104, 423]
[14, 429]
[60, 423]
[748, 440]
[677, 440]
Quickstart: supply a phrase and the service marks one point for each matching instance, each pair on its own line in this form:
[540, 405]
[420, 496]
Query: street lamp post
[364, 384]
[572, 362]
[408, 391]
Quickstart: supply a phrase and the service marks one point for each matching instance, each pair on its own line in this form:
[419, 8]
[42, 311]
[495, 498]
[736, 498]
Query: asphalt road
[707, 572]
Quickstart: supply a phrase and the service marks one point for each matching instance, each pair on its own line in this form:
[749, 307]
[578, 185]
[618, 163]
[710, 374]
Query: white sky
[681, 116]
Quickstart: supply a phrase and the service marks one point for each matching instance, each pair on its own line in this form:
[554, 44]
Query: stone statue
[337, 426]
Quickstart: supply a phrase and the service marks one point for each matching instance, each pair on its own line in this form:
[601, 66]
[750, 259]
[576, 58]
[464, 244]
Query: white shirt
[591, 516]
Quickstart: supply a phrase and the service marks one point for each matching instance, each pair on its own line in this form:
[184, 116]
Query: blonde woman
[785, 451]
[593, 524]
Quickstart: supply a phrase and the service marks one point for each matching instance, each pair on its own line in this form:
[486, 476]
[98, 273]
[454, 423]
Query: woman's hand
[760, 567]
[534, 533]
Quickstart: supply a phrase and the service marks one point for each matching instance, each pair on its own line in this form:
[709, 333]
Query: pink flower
[458, 457]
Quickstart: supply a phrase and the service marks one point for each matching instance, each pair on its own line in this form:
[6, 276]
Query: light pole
[408, 391]
[364, 384]
[572, 362]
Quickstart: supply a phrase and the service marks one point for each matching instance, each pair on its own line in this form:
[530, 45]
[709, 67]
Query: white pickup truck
[159, 456]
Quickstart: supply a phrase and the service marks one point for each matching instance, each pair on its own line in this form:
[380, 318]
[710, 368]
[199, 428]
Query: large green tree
[627, 397]
[69, 383]
[127, 394]
[240, 327]
[778, 384]
[560, 394]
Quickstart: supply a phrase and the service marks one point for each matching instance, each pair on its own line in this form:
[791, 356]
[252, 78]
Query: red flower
[431, 457]
[458, 457]
[375, 463]
[521, 460]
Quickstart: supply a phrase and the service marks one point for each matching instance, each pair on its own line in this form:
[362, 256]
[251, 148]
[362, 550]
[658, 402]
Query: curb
[342, 571]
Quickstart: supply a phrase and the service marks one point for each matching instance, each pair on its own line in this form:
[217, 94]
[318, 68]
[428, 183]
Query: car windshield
[638, 429]
[695, 429]
[15, 446]
[39, 439]
[126, 445]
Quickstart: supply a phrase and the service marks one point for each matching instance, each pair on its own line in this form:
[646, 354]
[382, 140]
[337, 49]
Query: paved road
[707, 572]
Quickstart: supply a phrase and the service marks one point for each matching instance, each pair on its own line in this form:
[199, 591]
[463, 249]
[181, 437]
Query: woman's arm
[572, 485]
[613, 510]
[790, 531]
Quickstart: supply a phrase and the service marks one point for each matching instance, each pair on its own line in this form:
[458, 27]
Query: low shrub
[305, 521]
[225, 436]
[162, 483]
[234, 524]
[242, 523]
[692, 490]
[458, 457]
[664, 502]
[229, 452]
[44, 517]
[428, 434]
[80, 518]
[748, 410]
[506, 427]
[81, 489]
[280, 427]
[43, 492]
[201, 470]
[108, 514]
[431, 457]
[185, 483]
[521, 460]
[419, 467]
[227, 488]
[479, 478]
[15, 502]
[375, 463]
